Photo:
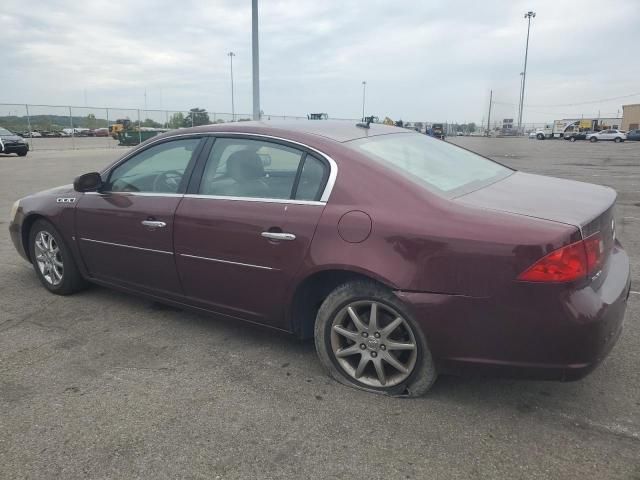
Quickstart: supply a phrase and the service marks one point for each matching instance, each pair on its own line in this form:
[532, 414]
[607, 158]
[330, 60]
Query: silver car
[610, 134]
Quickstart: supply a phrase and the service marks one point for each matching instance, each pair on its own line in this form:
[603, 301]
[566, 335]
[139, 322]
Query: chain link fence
[60, 127]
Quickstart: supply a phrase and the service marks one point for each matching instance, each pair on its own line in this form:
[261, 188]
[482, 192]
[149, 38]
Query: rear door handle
[153, 224]
[278, 236]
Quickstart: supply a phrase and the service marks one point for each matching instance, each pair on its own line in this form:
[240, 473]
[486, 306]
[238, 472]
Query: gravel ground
[105, 385]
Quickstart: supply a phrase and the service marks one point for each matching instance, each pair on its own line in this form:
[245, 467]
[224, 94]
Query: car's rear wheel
[366, 338]
[572, 139]
[593, 139]
[53, 261]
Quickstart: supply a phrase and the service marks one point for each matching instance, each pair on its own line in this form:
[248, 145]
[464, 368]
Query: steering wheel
[167, 181]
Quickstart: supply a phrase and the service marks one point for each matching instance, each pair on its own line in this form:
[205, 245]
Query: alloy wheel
[49, 258]
[373, 344]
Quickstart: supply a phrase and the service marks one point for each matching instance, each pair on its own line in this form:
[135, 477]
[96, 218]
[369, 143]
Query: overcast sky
[422, 60]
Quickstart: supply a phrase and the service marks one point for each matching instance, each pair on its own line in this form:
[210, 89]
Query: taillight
[568, 263]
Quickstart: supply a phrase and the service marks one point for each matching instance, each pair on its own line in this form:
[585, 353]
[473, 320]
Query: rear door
[125, 231]
[244, 229]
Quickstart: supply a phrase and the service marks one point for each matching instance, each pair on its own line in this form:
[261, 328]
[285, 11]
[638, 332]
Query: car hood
[564, 201]
[10, 137]
[62, 190]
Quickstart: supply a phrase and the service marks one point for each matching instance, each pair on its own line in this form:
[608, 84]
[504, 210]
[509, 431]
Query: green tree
[176, 120]
[151, 123]
[196, 116]
[91, 121]
[471, 127]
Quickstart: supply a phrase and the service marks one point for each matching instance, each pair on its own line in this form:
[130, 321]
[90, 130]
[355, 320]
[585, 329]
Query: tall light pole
[256, 60]
[529, 15]
[520, 97]
[364, 89]
[233, 108]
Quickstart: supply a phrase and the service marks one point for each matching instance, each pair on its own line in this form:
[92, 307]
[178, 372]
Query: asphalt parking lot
[105, 385]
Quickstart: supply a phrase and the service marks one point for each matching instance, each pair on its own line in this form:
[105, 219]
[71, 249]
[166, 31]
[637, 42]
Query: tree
[176, 120]
[471, 127]
[399, 123]
[196, 116]
[91, 121]
[151, 123]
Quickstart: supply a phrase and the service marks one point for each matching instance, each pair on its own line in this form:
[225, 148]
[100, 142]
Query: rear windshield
[433, 164]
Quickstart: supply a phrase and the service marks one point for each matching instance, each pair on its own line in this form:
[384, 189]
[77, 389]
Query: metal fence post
[73, 138]
[108, 132]
[166, 119]
[29, 125]
[139, 128]
[192, 115]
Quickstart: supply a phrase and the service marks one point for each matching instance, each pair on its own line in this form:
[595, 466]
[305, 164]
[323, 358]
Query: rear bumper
[531, 331]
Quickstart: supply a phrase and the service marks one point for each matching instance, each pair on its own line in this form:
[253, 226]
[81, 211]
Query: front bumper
[545, 332]
[14, 148]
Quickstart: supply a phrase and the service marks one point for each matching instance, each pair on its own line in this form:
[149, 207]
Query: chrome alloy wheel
[49, 258]
[373, 344]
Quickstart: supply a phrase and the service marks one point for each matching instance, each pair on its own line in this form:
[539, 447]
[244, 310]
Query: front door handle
[278, 236]
[153, 224]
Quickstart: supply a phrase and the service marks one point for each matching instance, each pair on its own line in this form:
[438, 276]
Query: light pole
[233, 109]
[255, 59]
[364, 89]
[519, 105]
[528, 16]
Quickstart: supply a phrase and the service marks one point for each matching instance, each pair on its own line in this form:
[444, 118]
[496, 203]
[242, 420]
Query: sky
[422, 60]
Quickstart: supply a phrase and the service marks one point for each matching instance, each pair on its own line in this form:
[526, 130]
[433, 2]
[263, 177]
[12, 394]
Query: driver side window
[158, 169]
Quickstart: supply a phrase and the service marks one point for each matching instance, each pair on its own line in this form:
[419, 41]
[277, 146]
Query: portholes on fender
[354, 226]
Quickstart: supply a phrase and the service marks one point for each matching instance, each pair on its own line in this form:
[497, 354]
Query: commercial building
[631, 117]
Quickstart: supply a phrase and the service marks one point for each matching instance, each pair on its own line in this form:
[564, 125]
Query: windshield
[4, 131]
[433, 164]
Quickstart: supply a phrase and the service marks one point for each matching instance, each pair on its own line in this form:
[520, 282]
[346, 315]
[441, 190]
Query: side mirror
[89, 182]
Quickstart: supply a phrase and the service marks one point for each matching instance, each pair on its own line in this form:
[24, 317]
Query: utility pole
[489, 118]
[233, 109]
[364, 88]
[528, 16]
[520, 104]
[255, 59]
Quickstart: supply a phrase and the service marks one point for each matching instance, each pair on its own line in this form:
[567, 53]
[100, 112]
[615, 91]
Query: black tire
[423, 372]
[71, 280]
[540, 136]
[22, 154]
[593, 139]
[617, 139]
[572, 139]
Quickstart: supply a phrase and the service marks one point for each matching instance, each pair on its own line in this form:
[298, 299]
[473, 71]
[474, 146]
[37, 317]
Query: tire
[617, 139]
[593, 139]
[572, 139]
[540, 136]
[373, 354]
[58, 272]
[22, 154]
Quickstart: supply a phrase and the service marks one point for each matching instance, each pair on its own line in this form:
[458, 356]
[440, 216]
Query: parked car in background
[462, 264]
[633, 135]
[609, 134]
[32, 134]
[12, 143]
[533, 134]
[101, 132]
[573, 136]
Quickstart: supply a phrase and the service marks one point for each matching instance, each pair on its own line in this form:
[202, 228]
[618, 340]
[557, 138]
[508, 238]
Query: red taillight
[568, 263]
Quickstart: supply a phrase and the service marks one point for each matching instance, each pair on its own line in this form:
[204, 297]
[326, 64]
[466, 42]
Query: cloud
[421, 61]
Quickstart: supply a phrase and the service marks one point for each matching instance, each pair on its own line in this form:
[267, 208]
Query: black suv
[12, 143]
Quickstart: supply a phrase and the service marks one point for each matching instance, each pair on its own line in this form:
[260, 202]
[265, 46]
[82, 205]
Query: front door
[242, 236]
[125, 231]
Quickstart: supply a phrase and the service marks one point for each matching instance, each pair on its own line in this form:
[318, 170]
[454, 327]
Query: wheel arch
[311, 291]
[25, 230]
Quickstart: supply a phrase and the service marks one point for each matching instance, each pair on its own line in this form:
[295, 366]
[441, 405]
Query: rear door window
[247, 168]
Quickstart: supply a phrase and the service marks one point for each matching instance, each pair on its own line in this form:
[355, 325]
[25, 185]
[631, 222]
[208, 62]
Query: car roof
[337, 130]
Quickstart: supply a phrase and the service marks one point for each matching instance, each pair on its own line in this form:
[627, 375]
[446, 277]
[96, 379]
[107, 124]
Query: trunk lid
[548, 198]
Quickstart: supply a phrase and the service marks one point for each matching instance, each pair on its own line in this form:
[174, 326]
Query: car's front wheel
[617, 139]
[540, 136]
[366, 338]
[52, 260]
[572, 139]
[593, 139]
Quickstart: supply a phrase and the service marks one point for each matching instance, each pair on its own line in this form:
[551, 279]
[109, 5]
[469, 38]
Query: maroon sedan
[402, 255]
